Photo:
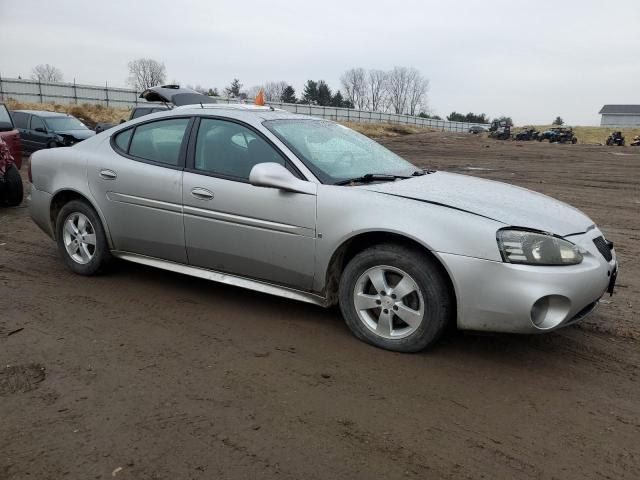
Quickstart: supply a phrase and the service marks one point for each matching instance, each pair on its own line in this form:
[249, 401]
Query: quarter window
[159, 141]
[231, 150]
[122, 139]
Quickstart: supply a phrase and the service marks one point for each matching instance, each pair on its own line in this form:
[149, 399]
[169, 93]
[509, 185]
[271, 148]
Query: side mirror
[41, 130]
[274, 175]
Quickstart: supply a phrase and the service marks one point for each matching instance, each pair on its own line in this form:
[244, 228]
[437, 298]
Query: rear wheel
[81, 239]
[11, 191]
[395, 297]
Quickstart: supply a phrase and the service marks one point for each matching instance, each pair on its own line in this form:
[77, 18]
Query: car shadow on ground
[574, 340]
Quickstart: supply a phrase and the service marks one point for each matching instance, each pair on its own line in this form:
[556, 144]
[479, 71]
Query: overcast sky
[529, 60]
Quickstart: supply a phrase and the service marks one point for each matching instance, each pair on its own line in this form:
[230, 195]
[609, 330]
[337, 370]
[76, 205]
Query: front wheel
[396, 298]
[81, 238]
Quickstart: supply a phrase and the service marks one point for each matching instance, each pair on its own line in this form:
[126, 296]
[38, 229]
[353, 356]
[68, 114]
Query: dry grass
[385, 130]
[591, 135]
[88, 113]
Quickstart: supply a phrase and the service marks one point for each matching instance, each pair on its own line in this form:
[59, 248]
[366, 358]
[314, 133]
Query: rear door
[21, 121]
[235, 227]
[137, 181]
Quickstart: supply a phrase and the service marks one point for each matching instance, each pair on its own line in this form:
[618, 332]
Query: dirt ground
[145, 374]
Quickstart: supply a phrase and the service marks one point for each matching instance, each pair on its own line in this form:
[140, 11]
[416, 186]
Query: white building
[620, 116]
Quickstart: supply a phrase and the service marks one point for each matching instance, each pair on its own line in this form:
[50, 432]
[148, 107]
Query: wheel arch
[353, 245]
[64, 196]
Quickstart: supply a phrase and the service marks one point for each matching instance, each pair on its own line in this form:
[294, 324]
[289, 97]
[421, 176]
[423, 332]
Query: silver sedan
[310, 210]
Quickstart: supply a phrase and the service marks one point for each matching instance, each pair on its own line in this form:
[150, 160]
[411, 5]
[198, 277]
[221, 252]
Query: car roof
[44, 113]
[238, 110]
[153, 105]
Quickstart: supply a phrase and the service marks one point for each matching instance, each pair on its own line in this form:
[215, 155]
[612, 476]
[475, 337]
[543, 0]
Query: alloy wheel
[389, 302]
[79, 238]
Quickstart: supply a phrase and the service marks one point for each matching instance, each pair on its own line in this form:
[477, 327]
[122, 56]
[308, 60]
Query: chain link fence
[33, 91]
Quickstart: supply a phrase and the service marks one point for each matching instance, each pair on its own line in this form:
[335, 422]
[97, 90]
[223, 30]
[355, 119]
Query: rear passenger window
[122, 139]
[159, 141]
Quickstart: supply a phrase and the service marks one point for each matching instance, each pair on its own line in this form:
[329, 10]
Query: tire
[52, 144]
[428, 306]
[90, 258]
[12, 189]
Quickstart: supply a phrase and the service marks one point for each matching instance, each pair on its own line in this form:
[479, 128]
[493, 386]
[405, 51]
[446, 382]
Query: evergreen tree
[337, 100]
[288, 95]
[213, 92]
[558, 121]
[233, 90]
[310, 93]
[324, 93]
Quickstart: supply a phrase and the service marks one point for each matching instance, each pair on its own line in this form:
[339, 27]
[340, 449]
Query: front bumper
[504, 297]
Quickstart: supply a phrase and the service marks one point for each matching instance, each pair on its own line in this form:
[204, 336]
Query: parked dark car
[40, 129]
[475, 129]
[9, 133]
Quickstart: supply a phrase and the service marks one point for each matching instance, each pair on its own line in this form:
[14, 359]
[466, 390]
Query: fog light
[550, 311]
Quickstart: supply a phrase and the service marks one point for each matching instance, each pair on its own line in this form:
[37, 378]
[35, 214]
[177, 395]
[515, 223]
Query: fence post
[106, 92]
[1, 94]
[40, 90]
[75, 92]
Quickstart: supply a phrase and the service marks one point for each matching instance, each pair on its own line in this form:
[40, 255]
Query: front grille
[603, 247]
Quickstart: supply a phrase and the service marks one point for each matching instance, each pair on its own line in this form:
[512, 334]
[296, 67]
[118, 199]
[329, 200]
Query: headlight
[534, 248]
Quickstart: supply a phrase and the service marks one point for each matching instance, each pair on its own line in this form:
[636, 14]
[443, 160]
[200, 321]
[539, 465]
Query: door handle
[202, 193]
[108, 174]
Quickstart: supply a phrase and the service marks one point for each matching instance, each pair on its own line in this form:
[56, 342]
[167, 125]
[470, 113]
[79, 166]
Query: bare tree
[397, 88]
[273, 90]
[46, 73]
[376, 89]
[146, 73]
[417, 91]
[354, 83]
[407, 90]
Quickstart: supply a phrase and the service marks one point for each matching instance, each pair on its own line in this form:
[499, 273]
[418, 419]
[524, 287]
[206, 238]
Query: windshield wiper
[371, 177]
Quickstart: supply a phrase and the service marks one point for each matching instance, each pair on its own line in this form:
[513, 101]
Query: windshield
[335, 153]
[60, 124]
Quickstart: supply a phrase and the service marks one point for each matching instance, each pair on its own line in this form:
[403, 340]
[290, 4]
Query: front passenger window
[229, 149]
[159, 141]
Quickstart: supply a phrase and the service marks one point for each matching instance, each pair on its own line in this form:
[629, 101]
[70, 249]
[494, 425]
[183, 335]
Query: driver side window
[231, 150]
[36, 123]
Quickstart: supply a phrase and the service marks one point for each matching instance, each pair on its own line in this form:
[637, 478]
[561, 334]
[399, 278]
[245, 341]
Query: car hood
[511, 205]
[77, 134]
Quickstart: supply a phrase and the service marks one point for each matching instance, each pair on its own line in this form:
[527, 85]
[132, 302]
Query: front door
[137, 183]
[39, 138]
[235, 227]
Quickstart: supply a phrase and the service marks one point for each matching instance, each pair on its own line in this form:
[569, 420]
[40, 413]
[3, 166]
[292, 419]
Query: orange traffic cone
[260, 98]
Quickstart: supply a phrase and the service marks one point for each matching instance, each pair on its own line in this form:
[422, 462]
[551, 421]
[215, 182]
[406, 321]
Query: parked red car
[10, 135]
[11, 191]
